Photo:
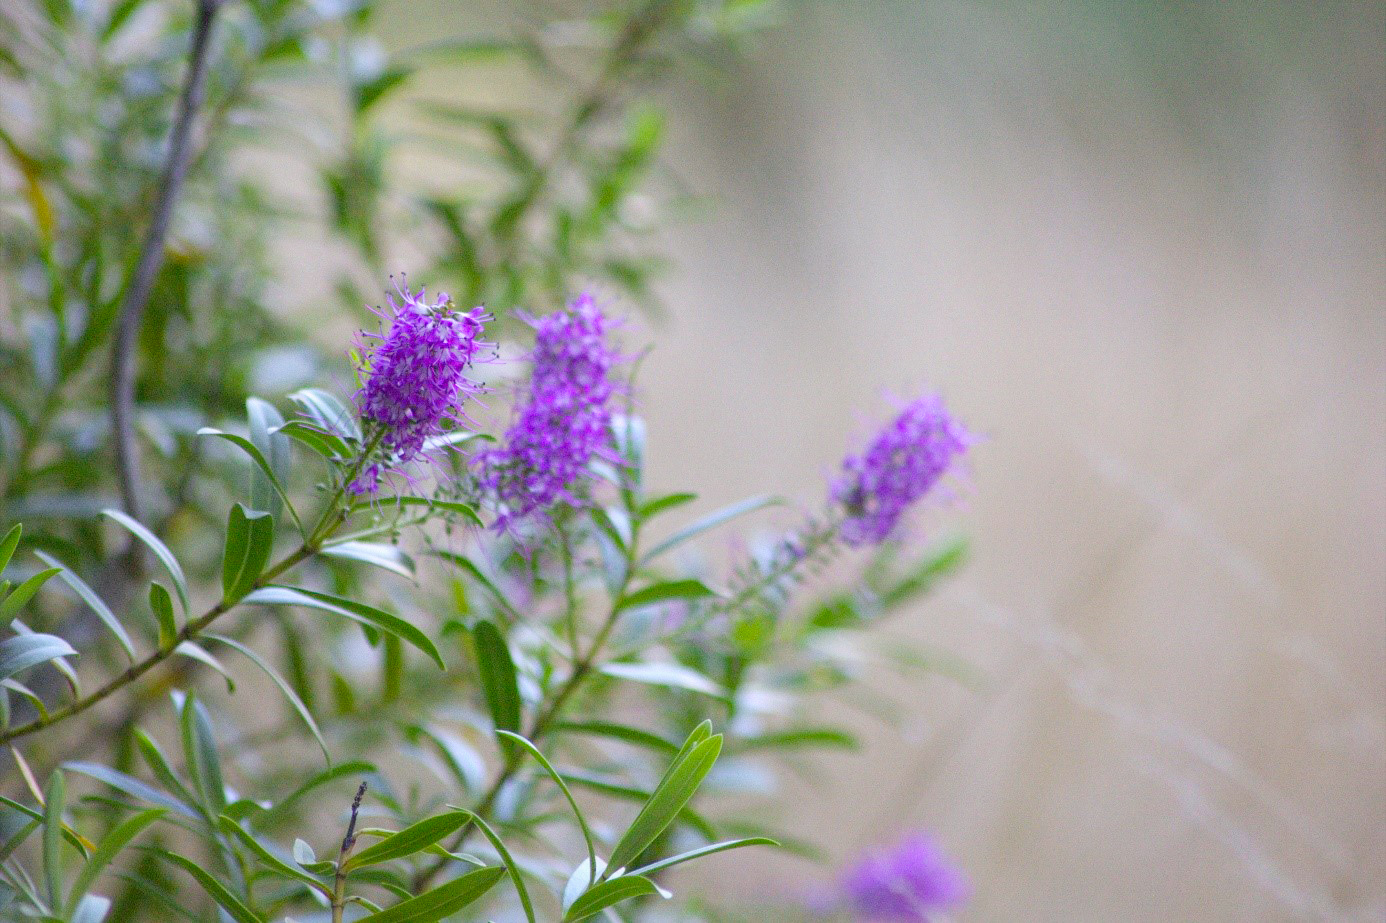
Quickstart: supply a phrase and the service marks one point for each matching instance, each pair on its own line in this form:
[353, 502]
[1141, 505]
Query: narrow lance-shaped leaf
[264, 419]
[8, 544]
[273, 862]
[21, 594]
[103, 611]
[262, 463]
[412, 839]
[249, 541]
[25, 651]
[498, 680]
[357, 611]
[327, 412]
[54, 803]
[161, 551]
[562, 787]
[711, 521]
[515, 877]
[668, 799]
[386, 557]
[608, 893]
[284, 688]
[161, 604]
[329, 445]
[109, 847]
[708, 850]
[224, 897]
[662, 592]
[442, 901]
[200, 754]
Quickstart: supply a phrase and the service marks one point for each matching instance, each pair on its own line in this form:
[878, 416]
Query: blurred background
[1139, 246]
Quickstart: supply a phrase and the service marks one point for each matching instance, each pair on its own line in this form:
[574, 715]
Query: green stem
[333, 515]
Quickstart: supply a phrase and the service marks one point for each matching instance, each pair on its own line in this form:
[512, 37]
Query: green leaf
[194, 651]
[161, 551]
[359, 612]
[412, 839]
[940, 563]
[672, 675]
[372, 91]
[562, 786]
[22, 652]
[498, 680]
[660, 592]
[72, 838]
[353, 768]
[327, 412]
[262, 463]
[663, 864]
[447, 506]
[621, 732]
[711, 521]
[662, 504]
[434, 905]
[130, 786]
[610, 892]
[218, 891]
[284, 688]
[54, 798]
[275, 864]
[103, 611]
[329, 445]
[21, 594]
[8, 544]
[515, 877]
[161, 604]
[798, 737]
[249, 541]
[110, 846]
[668, 799]
[387, 557]
[264, 419]
[200, 754]
[162, 769]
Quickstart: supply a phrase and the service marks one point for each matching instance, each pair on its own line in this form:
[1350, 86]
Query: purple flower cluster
[415, 378]
[903, 463]
[911, 882]
[565, 418]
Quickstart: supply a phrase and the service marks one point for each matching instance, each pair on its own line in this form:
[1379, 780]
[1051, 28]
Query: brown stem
[190, 630]
[150, 259]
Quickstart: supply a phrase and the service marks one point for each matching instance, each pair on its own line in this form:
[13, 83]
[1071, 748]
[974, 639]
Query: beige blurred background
[1141, 247]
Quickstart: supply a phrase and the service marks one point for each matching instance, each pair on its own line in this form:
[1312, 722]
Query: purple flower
[910, 881]
[903, 463]
[414, 379]
[564, 420]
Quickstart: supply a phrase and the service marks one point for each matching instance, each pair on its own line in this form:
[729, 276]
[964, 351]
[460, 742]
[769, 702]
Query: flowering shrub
[352, 656]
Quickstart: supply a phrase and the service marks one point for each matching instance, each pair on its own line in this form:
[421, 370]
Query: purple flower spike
[564, 421]
[902, 464]
[415, 378]
[912, 881]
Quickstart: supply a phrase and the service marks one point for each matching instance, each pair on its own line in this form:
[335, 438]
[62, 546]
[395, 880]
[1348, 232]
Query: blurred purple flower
[903, 463]
[565, 418]
[415, 378]
[912, 881]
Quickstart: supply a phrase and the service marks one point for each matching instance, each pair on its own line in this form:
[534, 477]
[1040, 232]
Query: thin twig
[151, 257]
[348, 843]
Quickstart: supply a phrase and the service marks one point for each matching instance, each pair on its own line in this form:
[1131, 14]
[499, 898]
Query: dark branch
[151, 257]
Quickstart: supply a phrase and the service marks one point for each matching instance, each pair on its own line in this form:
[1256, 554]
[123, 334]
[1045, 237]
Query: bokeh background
[1141, 247]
